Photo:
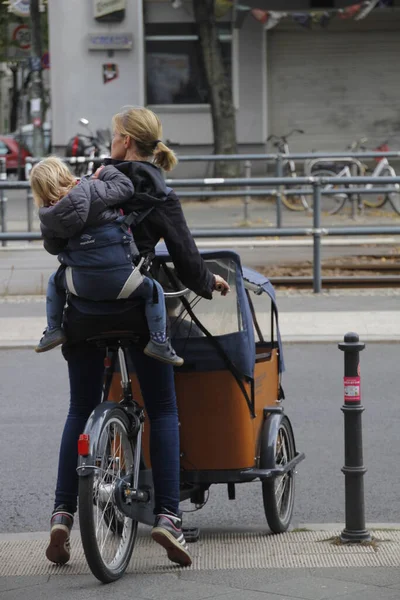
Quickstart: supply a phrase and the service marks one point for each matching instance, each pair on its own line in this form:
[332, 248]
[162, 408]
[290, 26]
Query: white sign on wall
[110, 41]
[106, 7]
[20, 7]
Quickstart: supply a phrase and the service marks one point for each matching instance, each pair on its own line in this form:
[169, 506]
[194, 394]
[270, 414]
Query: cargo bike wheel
[108, 536]
[278, 492]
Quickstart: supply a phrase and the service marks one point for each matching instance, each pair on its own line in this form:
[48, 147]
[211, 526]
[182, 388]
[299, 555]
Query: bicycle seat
[119, 339]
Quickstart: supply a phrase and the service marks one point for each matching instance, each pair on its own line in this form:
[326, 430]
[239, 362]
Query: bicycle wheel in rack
[379, 200]
[294, 202]
[108, 536]
[330, 203]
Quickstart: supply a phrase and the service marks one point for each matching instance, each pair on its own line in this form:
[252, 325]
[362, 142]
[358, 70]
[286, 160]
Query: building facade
[336, 83]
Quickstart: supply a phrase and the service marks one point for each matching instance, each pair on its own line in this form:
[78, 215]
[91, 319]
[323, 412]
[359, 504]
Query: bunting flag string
[321, 18]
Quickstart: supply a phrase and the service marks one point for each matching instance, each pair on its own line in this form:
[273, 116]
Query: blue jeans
[156, 314]
[155, 311]
[86, 368]
[55, 301]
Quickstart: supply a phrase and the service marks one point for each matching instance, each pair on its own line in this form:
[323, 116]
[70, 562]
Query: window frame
[192, 37]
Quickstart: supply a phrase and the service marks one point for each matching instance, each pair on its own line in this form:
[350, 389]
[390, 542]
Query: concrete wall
[77, 88]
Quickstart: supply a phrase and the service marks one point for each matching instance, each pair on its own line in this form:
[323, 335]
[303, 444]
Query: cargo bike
[233, 428]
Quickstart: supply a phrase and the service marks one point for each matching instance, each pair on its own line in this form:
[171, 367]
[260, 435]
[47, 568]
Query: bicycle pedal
[191, 534]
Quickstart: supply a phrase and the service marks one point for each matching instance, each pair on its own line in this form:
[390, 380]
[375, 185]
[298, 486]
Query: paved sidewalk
[378, 326]
[304, 564]
[303, 317]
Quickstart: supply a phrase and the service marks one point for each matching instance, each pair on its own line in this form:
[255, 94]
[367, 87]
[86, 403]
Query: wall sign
[109, 10]
[110, 41]
[110, 72]
[21, 8]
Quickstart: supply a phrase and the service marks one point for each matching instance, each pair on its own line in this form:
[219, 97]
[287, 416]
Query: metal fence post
[247, 198]
[29, 209]
[279, 173]
[354, 197]
[317, 237]
[353, 469]
[3, 200]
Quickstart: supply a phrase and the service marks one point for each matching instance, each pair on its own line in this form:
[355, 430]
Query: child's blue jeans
[155, 311]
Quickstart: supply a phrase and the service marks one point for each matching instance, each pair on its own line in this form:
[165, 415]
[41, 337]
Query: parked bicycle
[297, 202]
[343, 167]
[382, 169]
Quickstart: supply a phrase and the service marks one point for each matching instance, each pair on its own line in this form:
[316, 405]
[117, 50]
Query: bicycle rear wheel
[330, 203]
[295, 202]
[108, 536]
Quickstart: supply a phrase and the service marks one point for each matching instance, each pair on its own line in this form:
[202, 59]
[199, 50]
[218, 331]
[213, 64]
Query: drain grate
[219, 551]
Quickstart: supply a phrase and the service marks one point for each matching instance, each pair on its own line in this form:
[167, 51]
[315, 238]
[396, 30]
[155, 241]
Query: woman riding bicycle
[136, 140]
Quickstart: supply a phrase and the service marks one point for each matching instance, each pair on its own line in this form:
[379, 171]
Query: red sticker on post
[352, 389]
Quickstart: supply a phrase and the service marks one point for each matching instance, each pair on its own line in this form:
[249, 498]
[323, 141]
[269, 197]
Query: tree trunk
[219, 88]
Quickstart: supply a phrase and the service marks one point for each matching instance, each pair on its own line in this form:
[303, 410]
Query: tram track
[354, 272]
[337, 282]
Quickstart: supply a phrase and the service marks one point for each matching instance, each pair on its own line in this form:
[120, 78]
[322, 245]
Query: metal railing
[310, 159]
[272, 184]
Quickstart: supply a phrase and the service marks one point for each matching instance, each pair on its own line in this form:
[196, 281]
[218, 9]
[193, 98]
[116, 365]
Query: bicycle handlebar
[177, 294]
[283, 138]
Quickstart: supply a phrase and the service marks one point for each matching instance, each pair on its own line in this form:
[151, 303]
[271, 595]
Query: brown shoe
[59, 551]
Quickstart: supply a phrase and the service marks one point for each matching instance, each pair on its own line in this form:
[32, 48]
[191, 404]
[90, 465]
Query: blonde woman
[138, 152]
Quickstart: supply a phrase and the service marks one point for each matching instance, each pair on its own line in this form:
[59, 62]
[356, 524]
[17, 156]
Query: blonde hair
[50, 181]
[144, 127]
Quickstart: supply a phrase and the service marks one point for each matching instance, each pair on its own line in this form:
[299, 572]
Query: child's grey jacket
[97, 250]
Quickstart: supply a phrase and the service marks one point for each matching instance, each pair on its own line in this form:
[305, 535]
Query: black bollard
[353, 469]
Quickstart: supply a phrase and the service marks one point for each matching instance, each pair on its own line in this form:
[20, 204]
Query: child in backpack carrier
[94, 249]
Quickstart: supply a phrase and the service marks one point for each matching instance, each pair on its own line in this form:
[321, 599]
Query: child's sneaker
[51, 339]
[167, 532]
[163, 352]
[59, 551]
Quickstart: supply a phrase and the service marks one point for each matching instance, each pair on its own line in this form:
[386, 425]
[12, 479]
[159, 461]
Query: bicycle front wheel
[278, 493]
[378, 200]
[333, 202]
[108, 536]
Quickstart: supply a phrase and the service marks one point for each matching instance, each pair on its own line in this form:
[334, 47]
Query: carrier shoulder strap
[137, 216]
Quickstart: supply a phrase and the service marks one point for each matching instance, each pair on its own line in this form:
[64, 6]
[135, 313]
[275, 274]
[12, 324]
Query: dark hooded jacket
[166, 221]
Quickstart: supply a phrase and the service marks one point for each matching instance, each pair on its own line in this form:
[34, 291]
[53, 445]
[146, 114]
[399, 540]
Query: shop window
[174, 69]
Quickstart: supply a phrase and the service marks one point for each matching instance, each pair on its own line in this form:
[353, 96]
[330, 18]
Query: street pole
[36, 83]
[354, 470]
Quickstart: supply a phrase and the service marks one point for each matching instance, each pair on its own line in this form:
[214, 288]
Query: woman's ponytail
[164, 157]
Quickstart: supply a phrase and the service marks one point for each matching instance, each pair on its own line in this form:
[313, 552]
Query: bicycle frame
[383, 165]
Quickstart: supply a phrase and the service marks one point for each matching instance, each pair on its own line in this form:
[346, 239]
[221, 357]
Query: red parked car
[10, 148]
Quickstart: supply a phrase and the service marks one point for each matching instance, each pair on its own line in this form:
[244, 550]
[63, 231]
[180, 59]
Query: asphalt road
[34, 395]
